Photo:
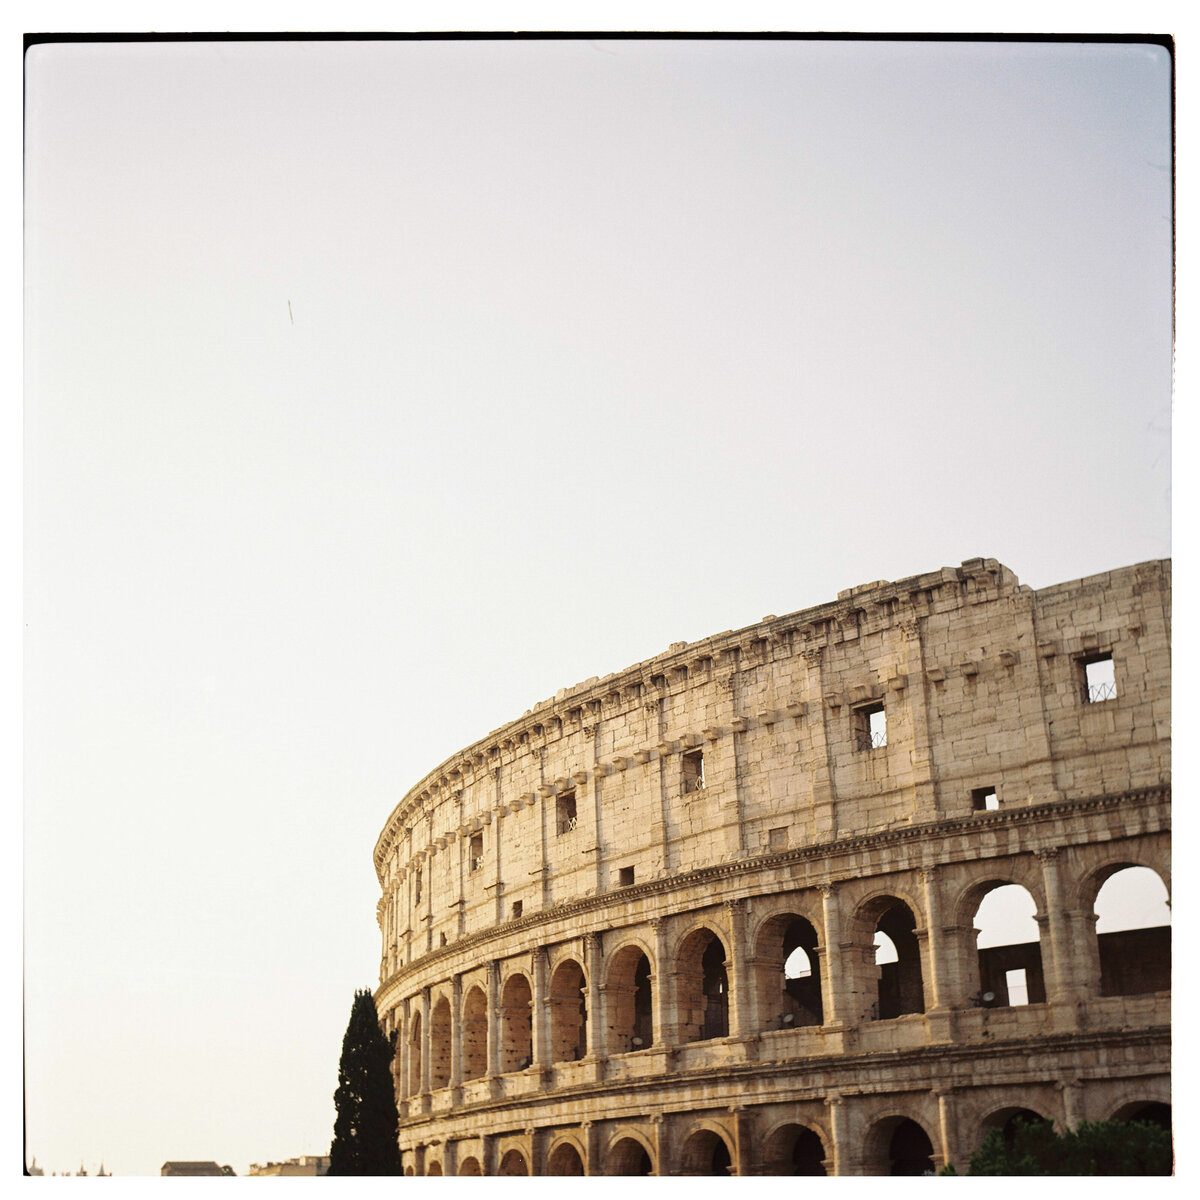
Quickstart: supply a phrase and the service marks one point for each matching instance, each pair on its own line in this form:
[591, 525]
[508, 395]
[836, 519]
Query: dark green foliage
[1100, 1148]
[365, 1130]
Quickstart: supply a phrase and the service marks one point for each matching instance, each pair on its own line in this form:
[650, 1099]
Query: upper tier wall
[980, 681]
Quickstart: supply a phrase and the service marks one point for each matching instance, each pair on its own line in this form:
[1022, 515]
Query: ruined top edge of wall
[985, 571]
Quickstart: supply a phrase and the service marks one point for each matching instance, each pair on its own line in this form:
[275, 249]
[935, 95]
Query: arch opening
[788, 974]
[901, 989]
[702, 991]
[568, 1013]
[909, 1150]
[513, 1163]
[705, 1153]
[516, 1024]
[794, 1150]
[565, 1160]
[474, 1034]
[1153, 1112]
[439, 1045]
[629, 1157]
[1007, 1120]
[629, 1002]
[469, 1166]
[1133, 933]
[1008, 948]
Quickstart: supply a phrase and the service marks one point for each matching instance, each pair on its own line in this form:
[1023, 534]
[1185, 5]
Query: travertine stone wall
[730, 787]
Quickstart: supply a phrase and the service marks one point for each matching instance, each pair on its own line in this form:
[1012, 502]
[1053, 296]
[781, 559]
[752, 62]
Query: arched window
[910, 1151]
[516, 1024]
[794, 1150]
[898, 1146]
[564, 1160]
[628, 1157]
[898, 958]
[568, 1013]
[513, 1163]
[439, 1044]
[705, 1153]
[1133, 931]
[787, 974]
[630, 1012]
[702, 988]
[474, 1034]
[1009, 951]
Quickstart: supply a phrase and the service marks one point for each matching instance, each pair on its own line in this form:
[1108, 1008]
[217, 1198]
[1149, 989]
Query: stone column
[741, 1016]
[596, 1016]
[662, 1146]
[743, 1143]
[456, 1031]
[662, 982]
[835, 999]
[493, 1026]
[591, 1142]
[1072, 1099]
[426, 1042]
[935, 964]
[840, 1160]
[947, 1151]
[404, 1050]
[541, 1009]
[1061, 987]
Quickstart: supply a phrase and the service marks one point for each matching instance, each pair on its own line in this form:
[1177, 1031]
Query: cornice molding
[1038, 814]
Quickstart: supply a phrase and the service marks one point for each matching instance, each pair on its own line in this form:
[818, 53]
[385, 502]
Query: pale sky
[376, 391]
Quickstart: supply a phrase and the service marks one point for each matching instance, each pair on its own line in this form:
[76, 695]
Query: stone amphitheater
[734, 910]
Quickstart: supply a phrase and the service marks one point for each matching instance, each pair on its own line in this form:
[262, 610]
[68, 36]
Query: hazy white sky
[375, 391]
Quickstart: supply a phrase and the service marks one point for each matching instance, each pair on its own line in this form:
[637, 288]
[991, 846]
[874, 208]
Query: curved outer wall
[552, 894]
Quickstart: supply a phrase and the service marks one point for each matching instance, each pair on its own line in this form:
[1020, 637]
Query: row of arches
[879, 973]
[896, 1144]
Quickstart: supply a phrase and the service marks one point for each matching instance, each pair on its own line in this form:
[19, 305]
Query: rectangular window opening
[870, 727]
[1099, 679]
[693, 771]
[1016, 986]
[417, 888]
[626, 877]
[518, 907]
[984, 799]
[564, 812]
[476, 851]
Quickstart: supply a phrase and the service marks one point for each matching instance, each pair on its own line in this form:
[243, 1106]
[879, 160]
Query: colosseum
[828, 895]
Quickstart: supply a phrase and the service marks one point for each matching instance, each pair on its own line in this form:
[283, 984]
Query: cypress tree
[365, 1130]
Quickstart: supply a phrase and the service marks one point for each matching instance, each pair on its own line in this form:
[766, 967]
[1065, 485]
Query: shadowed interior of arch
[705, 1153]
[898, 958]
[629, 1002]
[794, 1150]
[628, 1157]
[1133, 933]
[1009, 949]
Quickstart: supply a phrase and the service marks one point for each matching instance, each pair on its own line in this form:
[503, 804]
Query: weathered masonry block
[719, 913]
